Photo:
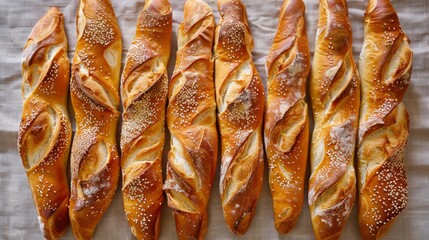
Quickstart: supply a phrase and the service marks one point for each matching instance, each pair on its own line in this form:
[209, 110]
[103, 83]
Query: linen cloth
[18, 218]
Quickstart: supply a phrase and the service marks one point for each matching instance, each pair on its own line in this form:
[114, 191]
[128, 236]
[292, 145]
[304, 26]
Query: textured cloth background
[17, 213]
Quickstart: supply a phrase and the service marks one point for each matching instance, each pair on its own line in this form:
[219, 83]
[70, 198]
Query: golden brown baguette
[240, 101]
[385, 68]
[95, 99]
[286, 116]
[45, 131]
[334, 92]
[144, 95]
[191, 119]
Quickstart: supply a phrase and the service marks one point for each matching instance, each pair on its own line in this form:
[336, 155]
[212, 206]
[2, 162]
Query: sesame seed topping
[153, 21]
[144, 95]
[388, 194]
[45, 132]
[144, 111]
[99, 30]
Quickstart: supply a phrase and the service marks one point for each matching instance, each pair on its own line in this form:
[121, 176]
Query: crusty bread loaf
[385, 68]
[95, 99]
[45, 131]
[191, 120]
[144, 95]
[240, 101]
[334, 92]
[286, 116]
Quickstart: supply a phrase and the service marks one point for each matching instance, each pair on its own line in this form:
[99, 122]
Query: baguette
[95, 100]
[240, 101]
[385, 67]
[286, 116]
[334, 92]
[45, 131]
[191, 120]
[144, 89]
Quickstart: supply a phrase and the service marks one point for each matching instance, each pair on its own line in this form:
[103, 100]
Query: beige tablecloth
[17, 214]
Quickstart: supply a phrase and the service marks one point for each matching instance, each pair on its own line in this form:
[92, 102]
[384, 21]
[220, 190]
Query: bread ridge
[334, 93]
[286, 117]
[144, 87]
[95, 100]
[191, 120]
[385, 66]
[45, 131]
[240, 102]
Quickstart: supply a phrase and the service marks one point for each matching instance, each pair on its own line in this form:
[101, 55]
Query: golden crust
[385, 67]
[240, 101]
[144, 95]
[286, 117]
[334, 92]
[95, 100]
[191, 120]
[45, 131]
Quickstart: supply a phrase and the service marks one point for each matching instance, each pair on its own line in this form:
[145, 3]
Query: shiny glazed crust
[45, 131]
[144, 94]
[191, 119]
[334, 93]
[286, 116]
[240, 102]
[95, 100]
[385, 67]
